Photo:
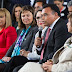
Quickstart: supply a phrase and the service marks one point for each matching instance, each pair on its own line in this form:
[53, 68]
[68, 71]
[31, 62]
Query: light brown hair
[27, 8]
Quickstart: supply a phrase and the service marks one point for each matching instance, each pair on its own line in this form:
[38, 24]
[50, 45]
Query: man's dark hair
[53, 7]
[43, 2]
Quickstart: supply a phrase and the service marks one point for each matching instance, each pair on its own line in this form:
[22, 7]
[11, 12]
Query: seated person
[61, 61]
[8, 33]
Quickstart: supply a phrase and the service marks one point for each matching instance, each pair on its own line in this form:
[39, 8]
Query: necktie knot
[49, 30]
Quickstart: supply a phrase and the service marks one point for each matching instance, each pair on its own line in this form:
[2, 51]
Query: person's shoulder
[33, 30]
[10, 29]
[61, 21]
[60, 24]
[35, 27]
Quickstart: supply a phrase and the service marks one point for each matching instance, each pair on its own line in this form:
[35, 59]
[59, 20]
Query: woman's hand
[24, 53]
[6, 59]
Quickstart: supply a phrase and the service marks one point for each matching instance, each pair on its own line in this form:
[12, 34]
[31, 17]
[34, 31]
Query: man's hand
[24, 53]
[47, 66]
[38, 42]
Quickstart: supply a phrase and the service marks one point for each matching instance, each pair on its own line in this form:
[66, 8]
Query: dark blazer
[27, 43]
[56, 39]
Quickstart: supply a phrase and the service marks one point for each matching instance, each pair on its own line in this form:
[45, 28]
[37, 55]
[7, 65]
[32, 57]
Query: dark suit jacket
[27, 43]
[56, 39]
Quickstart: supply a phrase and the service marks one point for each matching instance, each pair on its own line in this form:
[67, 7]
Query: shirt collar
[51, 27]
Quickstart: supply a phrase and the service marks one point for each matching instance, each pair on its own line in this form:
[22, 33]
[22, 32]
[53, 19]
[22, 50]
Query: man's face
[48, 16]
[38, 6]
[70, 9]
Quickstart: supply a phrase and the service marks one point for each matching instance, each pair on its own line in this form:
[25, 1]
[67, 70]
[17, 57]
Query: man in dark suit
[58, 33]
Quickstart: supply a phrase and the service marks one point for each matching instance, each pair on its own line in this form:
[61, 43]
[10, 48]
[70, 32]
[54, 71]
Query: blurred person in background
[16, 16]
[63, 9]
[38, 4]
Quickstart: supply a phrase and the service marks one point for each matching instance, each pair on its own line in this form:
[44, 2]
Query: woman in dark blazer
[25, 39]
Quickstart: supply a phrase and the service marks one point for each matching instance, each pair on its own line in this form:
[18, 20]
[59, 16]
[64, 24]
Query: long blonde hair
[7, 16]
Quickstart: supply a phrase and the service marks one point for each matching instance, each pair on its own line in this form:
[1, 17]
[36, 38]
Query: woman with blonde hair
[7, 32]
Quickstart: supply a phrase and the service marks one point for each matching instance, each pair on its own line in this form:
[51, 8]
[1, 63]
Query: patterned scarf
[21, 38]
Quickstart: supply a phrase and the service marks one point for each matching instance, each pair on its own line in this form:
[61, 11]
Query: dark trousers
[16, 61]
[2, 66]
[17, 68]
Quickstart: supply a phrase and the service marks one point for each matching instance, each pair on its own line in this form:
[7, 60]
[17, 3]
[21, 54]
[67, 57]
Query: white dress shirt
[33, 55]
